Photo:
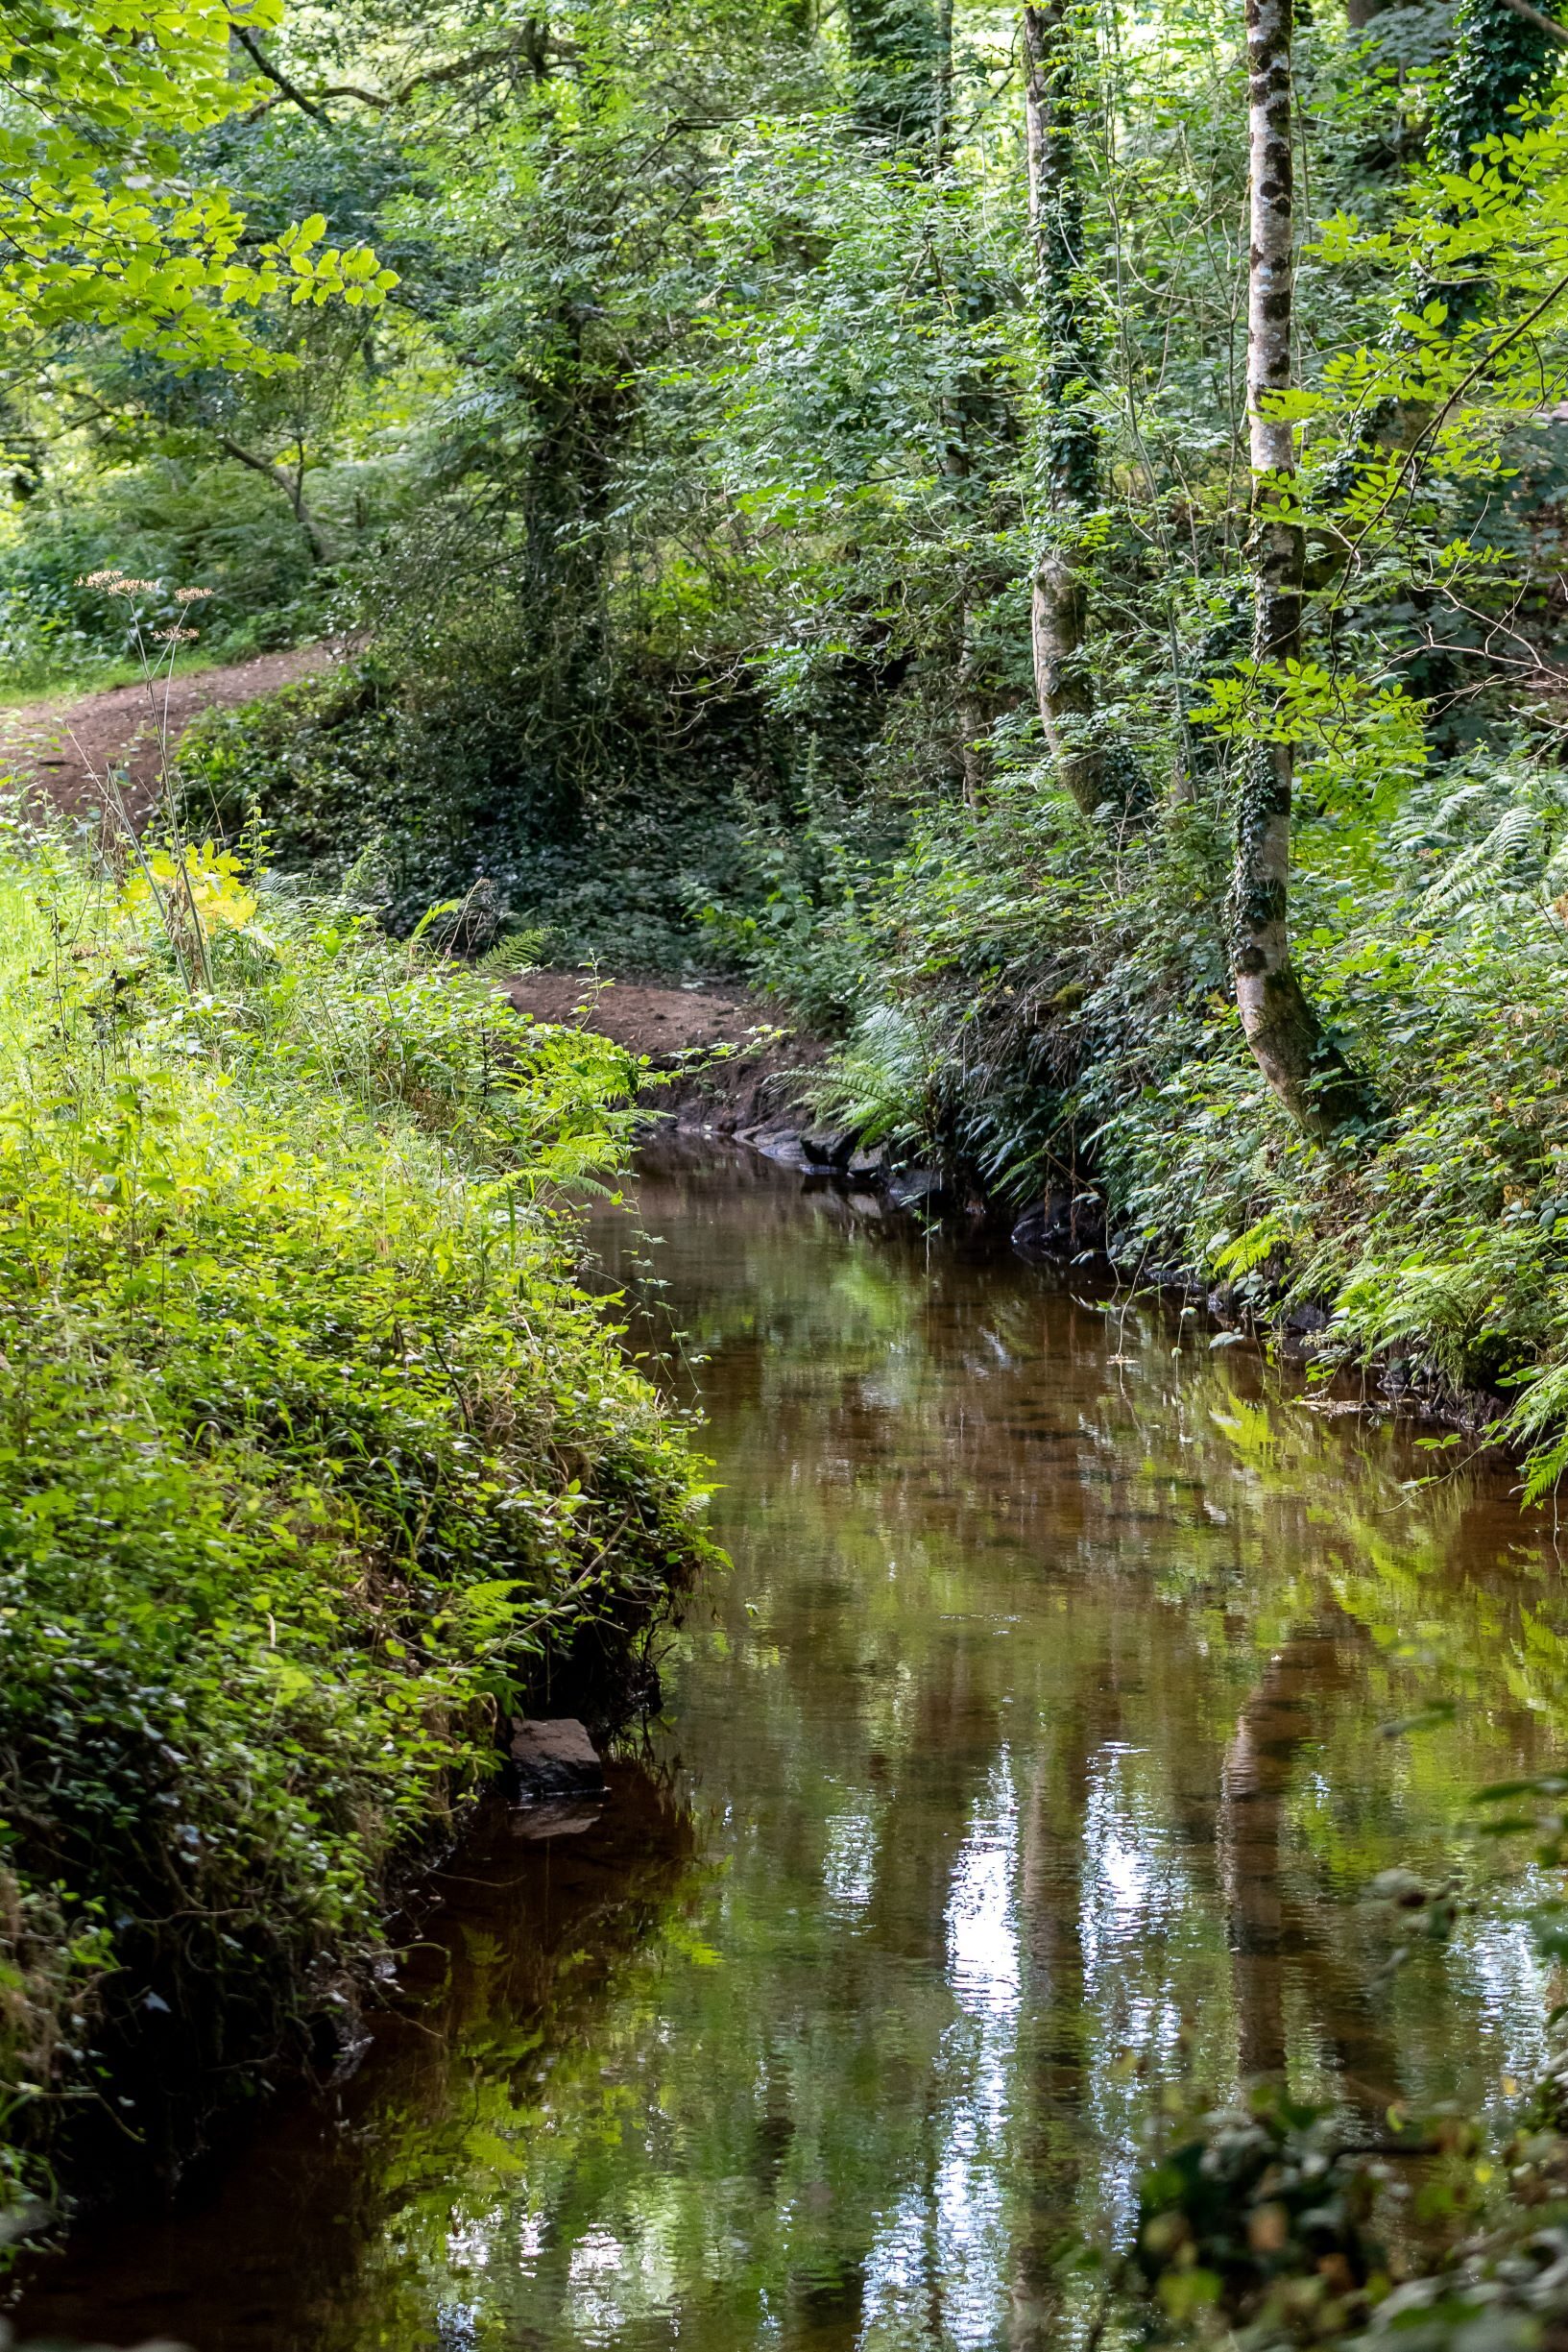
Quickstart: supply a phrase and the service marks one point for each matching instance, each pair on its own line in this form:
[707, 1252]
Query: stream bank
[315, 1465]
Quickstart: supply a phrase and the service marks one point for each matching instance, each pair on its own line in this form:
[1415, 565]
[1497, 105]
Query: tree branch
[254, 51]
[531, 45]
[294, 490]
[1548, 25]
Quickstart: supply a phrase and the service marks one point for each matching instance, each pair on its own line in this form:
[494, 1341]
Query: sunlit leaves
[100, 222]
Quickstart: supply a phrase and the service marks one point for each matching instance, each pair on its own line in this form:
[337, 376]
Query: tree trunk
[895, 66]
[1058, 609]
[1308, 1074]
[292, 486]
[1498, 61]
[942, 119]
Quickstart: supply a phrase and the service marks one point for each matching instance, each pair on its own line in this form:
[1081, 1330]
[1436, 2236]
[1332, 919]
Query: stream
[1041, 1747]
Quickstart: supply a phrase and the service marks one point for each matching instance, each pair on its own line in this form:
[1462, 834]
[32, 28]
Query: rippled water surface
[1039, 1743]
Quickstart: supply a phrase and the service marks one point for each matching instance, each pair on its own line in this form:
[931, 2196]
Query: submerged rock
[555, 1757]
[556, 1817]
[1065, 1224]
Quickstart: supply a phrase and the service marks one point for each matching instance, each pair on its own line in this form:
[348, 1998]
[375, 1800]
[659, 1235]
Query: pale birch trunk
[1306, 1072]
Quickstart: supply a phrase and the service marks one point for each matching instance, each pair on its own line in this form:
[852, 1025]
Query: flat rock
[782, 1144]
[554, 1756]
[556, 1817]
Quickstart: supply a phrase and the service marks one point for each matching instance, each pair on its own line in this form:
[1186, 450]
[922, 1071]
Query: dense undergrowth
[407, 770]
[314, 1460]
[1046, 1013]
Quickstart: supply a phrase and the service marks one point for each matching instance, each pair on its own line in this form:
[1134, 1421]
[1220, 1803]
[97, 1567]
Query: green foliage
[611, 876]
[101, 227]
[1263, 2213]
[314, 1460]
[219, 525]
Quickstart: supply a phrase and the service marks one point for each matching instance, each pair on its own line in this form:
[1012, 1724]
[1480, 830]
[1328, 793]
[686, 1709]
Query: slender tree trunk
[895, 62]
[1058, 606]
[1307, 1073]
[292, 486]
[942, 119]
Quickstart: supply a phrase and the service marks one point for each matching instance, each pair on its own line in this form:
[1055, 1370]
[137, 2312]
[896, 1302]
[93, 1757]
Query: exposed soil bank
[725, 1060]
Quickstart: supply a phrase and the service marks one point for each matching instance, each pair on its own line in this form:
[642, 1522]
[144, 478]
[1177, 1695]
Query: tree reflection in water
[1035, 1747]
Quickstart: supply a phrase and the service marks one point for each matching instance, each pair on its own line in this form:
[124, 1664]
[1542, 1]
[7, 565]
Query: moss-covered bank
[314, 1460]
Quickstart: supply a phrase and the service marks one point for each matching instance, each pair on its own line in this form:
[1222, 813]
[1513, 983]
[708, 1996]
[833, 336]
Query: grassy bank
[314, 1460]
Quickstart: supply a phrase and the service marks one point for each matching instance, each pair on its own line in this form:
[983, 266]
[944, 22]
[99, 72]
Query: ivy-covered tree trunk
[1062, 683]
[1092, 770]
[1499, 59]
[1305, 1069]
[894, 60]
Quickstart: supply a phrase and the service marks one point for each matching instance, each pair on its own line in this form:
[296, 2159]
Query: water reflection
[1038, 1733]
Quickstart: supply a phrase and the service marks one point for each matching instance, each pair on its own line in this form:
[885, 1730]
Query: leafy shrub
[314, 1460]
[606, 861]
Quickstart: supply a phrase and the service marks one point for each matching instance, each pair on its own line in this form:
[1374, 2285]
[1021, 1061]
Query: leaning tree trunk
[1308, 1074]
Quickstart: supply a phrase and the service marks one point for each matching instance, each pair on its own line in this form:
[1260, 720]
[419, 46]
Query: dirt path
[660, 1022]
[61, 746]
[757, 1079]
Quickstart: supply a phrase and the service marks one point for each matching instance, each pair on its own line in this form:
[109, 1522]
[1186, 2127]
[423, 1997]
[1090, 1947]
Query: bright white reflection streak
[1134, 1902]
[943, 2249]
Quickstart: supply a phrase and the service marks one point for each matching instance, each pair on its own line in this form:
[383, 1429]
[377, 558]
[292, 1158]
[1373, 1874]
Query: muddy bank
[727, 1061]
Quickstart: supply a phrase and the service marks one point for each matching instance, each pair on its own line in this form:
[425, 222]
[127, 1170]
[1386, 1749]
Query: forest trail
[62, 744]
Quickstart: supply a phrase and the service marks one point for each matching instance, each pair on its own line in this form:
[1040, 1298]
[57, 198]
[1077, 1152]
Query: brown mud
[725, 1058]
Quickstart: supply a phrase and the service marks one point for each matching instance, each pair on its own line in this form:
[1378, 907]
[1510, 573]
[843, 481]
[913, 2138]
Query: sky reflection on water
[1034, 1749]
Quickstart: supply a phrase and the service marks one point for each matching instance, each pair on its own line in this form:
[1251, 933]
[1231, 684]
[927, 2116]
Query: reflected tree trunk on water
[952, 1744]
[1274, 1725]
[1054, 2023]
[1266, 1929]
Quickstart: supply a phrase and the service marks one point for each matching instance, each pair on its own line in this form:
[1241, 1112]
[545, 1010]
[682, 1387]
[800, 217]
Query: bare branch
[1543, 24]
[254, 51]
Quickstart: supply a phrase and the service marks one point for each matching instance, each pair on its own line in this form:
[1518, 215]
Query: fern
[517, 950]
[1249, 1249]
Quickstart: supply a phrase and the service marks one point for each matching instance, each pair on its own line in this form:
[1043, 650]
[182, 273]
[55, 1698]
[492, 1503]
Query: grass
[314, 1462]
[73, 686]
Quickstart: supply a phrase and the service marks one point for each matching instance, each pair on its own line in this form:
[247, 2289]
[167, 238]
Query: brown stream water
[1039, 1748]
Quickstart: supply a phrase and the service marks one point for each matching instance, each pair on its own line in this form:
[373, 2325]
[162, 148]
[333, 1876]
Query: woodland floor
[61, 746]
